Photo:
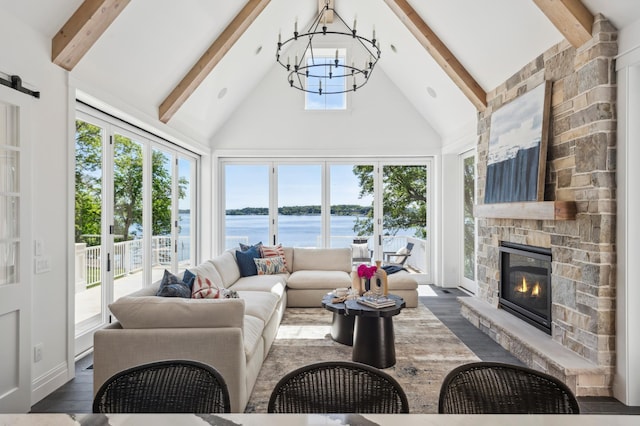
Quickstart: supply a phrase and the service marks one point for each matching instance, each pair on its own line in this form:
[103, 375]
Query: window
[329, 203]
[322, 66]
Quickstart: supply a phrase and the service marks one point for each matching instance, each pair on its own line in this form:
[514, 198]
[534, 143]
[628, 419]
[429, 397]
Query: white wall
[27, 54]
[626, 381]
[380, 121]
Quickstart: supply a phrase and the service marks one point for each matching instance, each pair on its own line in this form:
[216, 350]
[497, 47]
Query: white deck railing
[127, 258]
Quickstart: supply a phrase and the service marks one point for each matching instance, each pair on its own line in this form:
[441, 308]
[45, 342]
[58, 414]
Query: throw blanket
[392, 269]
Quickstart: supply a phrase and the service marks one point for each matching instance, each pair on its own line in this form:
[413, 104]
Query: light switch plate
[42, 264]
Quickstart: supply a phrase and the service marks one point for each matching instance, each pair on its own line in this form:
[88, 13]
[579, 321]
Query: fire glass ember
[525, 283]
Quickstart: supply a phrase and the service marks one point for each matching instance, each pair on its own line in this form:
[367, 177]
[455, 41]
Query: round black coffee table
[342, 324]
[373, 337]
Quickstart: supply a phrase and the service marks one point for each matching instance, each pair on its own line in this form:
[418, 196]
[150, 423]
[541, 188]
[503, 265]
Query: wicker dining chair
[338, 387]
[497, 388]
[176, 386]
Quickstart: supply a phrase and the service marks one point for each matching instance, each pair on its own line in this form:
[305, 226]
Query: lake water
[297, 231]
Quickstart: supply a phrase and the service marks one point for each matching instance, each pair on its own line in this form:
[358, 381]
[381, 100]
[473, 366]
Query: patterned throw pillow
[273, 251]
[203, 288]
[270, 265]
[245, 247]
[172, 286]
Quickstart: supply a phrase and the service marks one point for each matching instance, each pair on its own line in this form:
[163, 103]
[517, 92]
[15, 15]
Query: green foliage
[88, 182]
[404, 203]
[128, 186]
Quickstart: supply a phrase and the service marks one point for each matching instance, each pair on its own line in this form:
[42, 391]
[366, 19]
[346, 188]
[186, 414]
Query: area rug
[426, 350]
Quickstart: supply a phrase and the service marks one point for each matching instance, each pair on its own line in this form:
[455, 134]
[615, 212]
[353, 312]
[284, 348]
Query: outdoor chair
[360, 250]
[496, 388]
[338, 387]
[176, 386]
[398, 257]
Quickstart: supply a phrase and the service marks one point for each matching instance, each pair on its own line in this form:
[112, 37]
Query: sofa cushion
[260, 304]
[270, 265]
[172, 286]
[274, 251]
[311, 259]
[245, 247]
[208, 270]
[252, 334]
[227, 268]
[163, 312]
[245, 261]
[203, 288]
[275, 284]
[301, 280]
[401, 281]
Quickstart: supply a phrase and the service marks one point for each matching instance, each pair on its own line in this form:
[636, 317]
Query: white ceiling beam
[210, 58]
[442, 55]
[82, 30]
[570, 17]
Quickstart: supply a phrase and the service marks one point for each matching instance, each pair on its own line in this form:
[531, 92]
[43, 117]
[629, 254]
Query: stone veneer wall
[580, 167]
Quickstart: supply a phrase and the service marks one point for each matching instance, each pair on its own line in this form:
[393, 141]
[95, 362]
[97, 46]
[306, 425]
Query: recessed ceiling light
[258, 50]
[222, 93]
[393, 48]
[431, 91]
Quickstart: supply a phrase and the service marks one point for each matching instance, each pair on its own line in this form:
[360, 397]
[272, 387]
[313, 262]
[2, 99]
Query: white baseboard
[44, 385]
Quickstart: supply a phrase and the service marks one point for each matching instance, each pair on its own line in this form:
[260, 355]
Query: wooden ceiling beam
[83, 29]
[210, 58]
[570, 17]
[440, 53]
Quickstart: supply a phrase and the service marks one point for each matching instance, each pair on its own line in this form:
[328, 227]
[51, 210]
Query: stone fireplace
[580, 345]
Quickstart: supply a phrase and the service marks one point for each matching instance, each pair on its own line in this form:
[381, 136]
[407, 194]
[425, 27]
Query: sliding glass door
[134, 215]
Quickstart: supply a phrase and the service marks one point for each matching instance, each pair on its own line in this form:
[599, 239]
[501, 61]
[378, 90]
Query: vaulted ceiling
[191, 63]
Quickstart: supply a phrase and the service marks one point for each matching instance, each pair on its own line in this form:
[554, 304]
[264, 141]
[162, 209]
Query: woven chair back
[497, 388]
[338, 387]
[177, 386]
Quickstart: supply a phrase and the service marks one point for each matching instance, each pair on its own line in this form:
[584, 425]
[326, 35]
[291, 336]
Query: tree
[88, 183]
[404, 199]
[128, 186]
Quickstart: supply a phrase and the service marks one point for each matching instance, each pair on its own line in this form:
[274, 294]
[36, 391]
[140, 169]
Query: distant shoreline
[338, 210]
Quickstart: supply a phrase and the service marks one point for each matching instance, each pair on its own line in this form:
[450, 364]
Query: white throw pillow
[360, 250]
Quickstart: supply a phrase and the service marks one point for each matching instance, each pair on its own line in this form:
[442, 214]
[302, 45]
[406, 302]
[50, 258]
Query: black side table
[373, 336]
[342, 324]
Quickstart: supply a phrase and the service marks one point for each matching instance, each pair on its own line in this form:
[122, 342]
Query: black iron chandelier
[308, 69]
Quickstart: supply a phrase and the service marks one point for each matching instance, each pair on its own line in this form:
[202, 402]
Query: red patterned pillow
[273, 251]
[203, 288]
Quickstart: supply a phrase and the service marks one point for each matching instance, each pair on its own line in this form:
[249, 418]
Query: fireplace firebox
[525, 283]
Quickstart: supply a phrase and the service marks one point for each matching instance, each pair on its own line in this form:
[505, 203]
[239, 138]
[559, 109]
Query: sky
[248, 185]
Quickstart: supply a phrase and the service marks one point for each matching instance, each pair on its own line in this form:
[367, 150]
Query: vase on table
[380, 283]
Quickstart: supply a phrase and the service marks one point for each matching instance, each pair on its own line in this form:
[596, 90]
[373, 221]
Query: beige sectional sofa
[232, 335]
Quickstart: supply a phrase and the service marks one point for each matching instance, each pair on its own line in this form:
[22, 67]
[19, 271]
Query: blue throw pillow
[245, 261]
[188, 277]
[171, 286]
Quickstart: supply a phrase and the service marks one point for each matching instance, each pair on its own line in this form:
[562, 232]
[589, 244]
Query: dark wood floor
[76, 396]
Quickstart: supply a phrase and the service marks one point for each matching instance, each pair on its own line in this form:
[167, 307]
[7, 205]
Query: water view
[293, 230]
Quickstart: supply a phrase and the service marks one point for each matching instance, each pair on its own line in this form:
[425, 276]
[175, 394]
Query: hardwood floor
[76, 395]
